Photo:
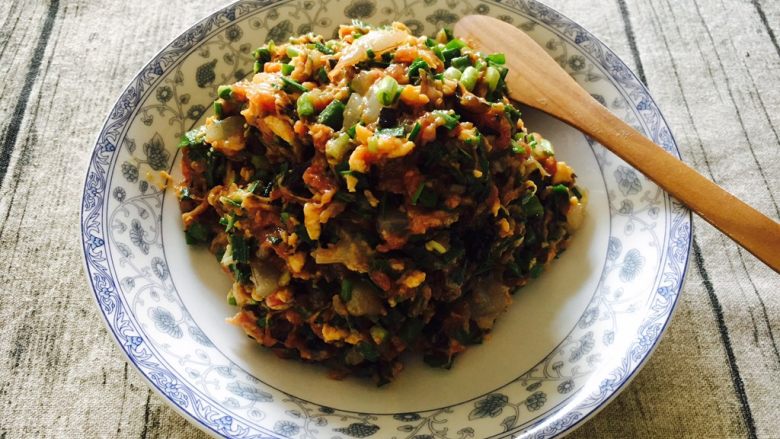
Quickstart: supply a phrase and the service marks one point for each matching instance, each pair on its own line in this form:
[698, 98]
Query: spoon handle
[750, 228]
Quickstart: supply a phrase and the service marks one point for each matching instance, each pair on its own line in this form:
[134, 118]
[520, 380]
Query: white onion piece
[372, 106]
[377, 40]
[353, 109]
[223, 129]
[265, 279]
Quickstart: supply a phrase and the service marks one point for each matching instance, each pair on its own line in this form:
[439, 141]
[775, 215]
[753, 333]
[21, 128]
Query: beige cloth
[713, 67]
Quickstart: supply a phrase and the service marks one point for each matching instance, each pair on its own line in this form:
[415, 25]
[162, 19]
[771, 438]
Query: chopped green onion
[430, 42]
[561, 189]
[414, 68]
[304, 105]
[391, 132]
[373, 144]
[287, 69]
[449, 54]
[533, 207]
[497, 58]
[469, 78]
[387, 89]
[417, 193]
[251, 187]
[218, 109]
[370, 54]
[352, 131]
[225, 92]
[292, 51]
[461, 62]
[517, 148]
[196, 233]
[456, 43]
[291, 85]
[346, 290]
[547, 147]
[452, 74]
[415, 131]
[513, 112]
[322, 75]
[257, 67]
[231, 299]
[323, 48]
[480, 64]
[491, 77]
[333, 115]
[436, 246]
[284, 216]
[262, 54]
[450, 120]
[240, 248]
[336, 148]
[228, 221]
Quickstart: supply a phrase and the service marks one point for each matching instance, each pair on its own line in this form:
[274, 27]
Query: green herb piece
[576, 191]
[533, 207]
[561, 190]
[257, 67]
[346, 290]
[284, 216]
[230, 201]
[368, 351]
[352, 131]
[229, 221]
[293, 51]
[240, 248]
[513, 112]
[231, 299]
[287, 69]
[225, 92]
[304, 105]
[469, 78]
[497, 58]
[415, 131]
[323, 48]
[450, 120]
[262, 55]
[370, 54]
[449, 54]
[196, 234]
[218, 109]
[322, 76]
[461, 62]
[391, 132]
[414, 68]
[492, 77]
[387, 90]
[292, 86]
[252, 187]
[517, 148]
[189, 138]
[332, 115]
[455, 43]
[424, 196]
[430, 42]
[452, 74]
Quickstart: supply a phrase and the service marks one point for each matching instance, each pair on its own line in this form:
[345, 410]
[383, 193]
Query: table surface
[713, 67]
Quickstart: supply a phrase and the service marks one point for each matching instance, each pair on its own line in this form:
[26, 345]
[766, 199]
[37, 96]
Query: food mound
[374, 194]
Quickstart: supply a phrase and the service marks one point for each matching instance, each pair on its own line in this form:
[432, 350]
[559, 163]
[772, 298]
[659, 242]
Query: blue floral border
[212, 418]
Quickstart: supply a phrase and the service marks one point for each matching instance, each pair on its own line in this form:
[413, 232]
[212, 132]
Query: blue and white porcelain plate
[569, 343]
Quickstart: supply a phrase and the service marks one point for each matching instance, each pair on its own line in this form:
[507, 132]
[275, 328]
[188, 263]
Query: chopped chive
[251, 187]
[452, 74]
[333, 115]
[387, 89]
[262, 55]
[414, 68]
[417, 193]
[533, 207]
[352, 131]
[497, 58]
[225, 92]
[292, 51]
[287, 69]
[304, 105]
[218, 109]
[456, 43]
[197, 233]
[323, 48]
[370, 54]
[461, 62]
[284, 216]
[228, 221]
[257, 67]
[561, 189]
[491, 77]
[469, 78]
[346, 290]
[450, 120]
[322, 76]
[430, 42]
[291, 85]
[240, 248]
[415, 131]
[449, 54]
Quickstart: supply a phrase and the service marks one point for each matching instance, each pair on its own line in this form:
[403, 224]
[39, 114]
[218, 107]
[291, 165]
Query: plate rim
[686, 214]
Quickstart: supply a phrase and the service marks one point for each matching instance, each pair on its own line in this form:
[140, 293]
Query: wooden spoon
[536, 80]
